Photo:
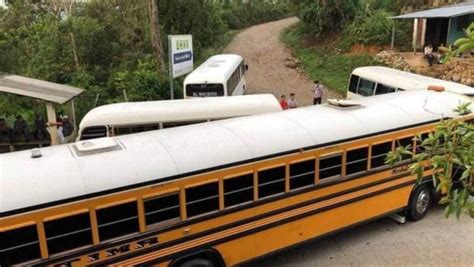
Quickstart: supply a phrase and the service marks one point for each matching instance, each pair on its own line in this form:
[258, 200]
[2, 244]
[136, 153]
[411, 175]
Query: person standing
[292, 102]
[318, 90]
[283, 103]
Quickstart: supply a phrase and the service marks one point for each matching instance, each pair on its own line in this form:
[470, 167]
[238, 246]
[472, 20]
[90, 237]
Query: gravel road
[266, 56]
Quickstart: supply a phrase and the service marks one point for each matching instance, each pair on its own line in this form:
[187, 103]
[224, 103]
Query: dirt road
[266, 55]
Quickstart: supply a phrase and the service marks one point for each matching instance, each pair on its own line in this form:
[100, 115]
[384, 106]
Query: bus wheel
[420, 203]
[197, 263]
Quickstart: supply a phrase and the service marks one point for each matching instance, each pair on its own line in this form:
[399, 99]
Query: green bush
[320, 17]
[374, 28]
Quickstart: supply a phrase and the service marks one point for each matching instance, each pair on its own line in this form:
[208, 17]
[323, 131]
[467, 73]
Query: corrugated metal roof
[52, 92]
[442, 12]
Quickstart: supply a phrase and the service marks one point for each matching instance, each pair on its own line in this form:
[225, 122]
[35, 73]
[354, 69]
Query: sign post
[181, 57]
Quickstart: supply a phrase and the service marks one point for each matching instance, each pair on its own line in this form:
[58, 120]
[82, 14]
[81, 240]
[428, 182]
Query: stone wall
[461, 71]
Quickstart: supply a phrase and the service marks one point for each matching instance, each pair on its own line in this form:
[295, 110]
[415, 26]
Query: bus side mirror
[246, 67]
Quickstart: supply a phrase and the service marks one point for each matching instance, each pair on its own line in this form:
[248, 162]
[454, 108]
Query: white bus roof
[150, 157]
[409, 81]
[133, 113]
[216, 69]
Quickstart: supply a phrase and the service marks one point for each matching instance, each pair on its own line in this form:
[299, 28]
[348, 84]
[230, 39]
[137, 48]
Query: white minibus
[377, 80]
[134, 117]
[220, 75]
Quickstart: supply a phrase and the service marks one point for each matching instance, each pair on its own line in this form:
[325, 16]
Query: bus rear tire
[420, 202]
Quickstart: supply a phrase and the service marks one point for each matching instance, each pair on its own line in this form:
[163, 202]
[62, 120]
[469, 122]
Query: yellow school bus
[222, 193]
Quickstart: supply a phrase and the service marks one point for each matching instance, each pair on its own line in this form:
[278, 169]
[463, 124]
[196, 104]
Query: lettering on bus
[113, 252]
[401, 169]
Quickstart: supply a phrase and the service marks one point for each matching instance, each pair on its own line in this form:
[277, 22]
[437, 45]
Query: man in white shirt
[292, 102]
[318, 90]
[428, 51]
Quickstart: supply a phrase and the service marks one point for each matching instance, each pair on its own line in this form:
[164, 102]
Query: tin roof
[48, 91]
[442, 12]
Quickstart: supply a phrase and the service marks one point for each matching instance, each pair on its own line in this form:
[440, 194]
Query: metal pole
[415, 36]
[393, 35]
[447, 34]
[170, 63]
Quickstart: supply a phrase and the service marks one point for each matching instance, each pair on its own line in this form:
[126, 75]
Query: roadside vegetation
[107, 47]
[334, 37]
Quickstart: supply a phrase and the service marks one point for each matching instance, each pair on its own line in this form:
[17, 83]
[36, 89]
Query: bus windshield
[204, 90]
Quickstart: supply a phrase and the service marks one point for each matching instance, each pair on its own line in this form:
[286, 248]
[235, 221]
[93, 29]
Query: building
[439, 26]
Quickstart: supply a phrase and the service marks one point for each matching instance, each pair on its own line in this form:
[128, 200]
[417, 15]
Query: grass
[323, 62]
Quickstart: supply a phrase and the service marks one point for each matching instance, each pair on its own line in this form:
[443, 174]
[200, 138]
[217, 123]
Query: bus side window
[202, 199]
[379, 153]
[68, 233]
[271, 182]
[162, 209]
[404, 142]
[366, 87]
[302, 174]
[330, 167]
[383, 89]
[238, 190]
[117, 220]
[354, 82]
[19, 245]
[357, 160]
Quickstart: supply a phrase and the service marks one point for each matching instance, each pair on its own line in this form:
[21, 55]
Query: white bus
[377, 80]
[220, 75]
[127, 118]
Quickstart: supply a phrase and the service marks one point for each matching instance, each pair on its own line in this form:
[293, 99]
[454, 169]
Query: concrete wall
[454, 32]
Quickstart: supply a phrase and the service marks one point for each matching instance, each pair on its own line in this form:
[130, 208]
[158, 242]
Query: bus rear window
[366, 87]
[204, 90]
[383, 89]
[353, 83]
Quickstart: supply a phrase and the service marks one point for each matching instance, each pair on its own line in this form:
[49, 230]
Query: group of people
[431, 57]
[20, 133]
[317, 90]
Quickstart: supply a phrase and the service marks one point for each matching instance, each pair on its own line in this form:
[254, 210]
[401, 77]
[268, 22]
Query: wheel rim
[423, 202]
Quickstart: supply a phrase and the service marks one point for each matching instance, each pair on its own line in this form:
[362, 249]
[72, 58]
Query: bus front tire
[197, 263]
[420, 202]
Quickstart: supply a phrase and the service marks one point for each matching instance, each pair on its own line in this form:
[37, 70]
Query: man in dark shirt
[20, 130]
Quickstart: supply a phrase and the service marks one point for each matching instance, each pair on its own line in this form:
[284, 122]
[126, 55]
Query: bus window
[357, 160]
[68, 233]
[204, 90]
[162, 209]
[405, 142]
[180, 123]
[302, 174]
[238, 190]
[93, 132]
[117, 220]
[19, 245]
[271, 182]
[366, 87]
[233, 82]
[383, 89]
[330, 167]
[202, 199]
[353, 83]
[379, 153]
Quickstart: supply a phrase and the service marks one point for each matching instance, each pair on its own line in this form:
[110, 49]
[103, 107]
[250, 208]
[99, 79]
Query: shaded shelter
[438, 26]
[52, 93]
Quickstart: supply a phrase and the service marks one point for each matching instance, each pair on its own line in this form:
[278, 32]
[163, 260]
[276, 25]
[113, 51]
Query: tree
[156, 37]
[449, 152]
